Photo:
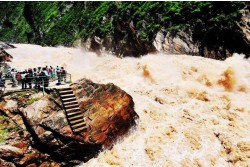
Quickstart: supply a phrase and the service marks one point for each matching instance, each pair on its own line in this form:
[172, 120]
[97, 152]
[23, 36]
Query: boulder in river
[38, 130]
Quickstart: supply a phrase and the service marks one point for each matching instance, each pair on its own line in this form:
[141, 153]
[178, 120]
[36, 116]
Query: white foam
[174, 76]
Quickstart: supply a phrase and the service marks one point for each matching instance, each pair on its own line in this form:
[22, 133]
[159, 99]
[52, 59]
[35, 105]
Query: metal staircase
[71, 107]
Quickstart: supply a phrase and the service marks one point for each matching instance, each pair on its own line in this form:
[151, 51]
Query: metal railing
[38, 81]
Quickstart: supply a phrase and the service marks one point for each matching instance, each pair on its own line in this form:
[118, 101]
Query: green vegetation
[210, 24]
[2, 136]
[3, 117]
[5, 128]
[31, 101]
[21, 93]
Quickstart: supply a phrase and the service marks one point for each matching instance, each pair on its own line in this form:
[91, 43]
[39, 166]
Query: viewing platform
[52, 83]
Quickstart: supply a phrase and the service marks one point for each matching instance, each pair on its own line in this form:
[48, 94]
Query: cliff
[210, 29]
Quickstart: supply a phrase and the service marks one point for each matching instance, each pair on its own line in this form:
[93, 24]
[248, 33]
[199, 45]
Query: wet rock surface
[108, 110]
[34, 130]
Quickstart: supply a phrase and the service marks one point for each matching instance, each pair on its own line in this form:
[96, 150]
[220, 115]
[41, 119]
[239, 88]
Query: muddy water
[193, 111]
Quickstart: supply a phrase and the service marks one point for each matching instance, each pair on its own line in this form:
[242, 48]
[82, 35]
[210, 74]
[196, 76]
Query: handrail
[40, 80]
[37, 77]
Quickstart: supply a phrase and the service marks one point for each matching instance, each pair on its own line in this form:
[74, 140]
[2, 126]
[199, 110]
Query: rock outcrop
[4, 45]
[245, 23]
[125, 42]
[38, 133]
[108, 110]
[4, 56]
[181, 43]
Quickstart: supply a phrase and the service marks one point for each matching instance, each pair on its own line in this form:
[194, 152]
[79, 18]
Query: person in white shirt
[23, 80]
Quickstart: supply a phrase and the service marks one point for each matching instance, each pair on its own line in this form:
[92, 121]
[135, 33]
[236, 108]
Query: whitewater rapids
[193, 111]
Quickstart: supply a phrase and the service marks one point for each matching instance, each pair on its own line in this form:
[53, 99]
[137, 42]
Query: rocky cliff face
[125, 43]
[217, 42]
[4, 45]
[4, 56]
[245, 24]
[35, 131]
[181, 43]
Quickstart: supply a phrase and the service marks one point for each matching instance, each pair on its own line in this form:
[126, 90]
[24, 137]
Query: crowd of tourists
[39, 76]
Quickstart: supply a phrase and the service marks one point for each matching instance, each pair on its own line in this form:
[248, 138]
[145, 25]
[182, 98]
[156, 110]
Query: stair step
[73, 110]
[66, 92]
[70, 102]
[69, 99]
[71, 106]
[71, 114]
[63, 89]
[80, 129]
[67, 96]
[75, 117]
[76, 121]
[82, 124]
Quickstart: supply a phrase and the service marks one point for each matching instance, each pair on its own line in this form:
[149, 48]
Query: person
[45, 77]
[35, 74]
[57, 69]
[58, 73]
[39, 73]
[48, 70]
[52, 72]
[13, 75]
[18, 78]
[44, 72]
[2, 81]
[28, 78]
[63, 71]
[2, 84]
[23, 80]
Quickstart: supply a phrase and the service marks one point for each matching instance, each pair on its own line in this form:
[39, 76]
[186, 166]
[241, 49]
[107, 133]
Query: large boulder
[40, 133]
[108, 110]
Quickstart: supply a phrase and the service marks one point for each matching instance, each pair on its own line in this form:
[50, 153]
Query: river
[192, 111]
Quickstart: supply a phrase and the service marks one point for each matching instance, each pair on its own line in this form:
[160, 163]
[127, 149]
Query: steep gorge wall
[209, 29]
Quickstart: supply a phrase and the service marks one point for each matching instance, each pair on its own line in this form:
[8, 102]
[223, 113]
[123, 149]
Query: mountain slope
[128, 28]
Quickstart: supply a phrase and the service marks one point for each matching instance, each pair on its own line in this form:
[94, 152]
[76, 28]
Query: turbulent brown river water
[193, 111]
